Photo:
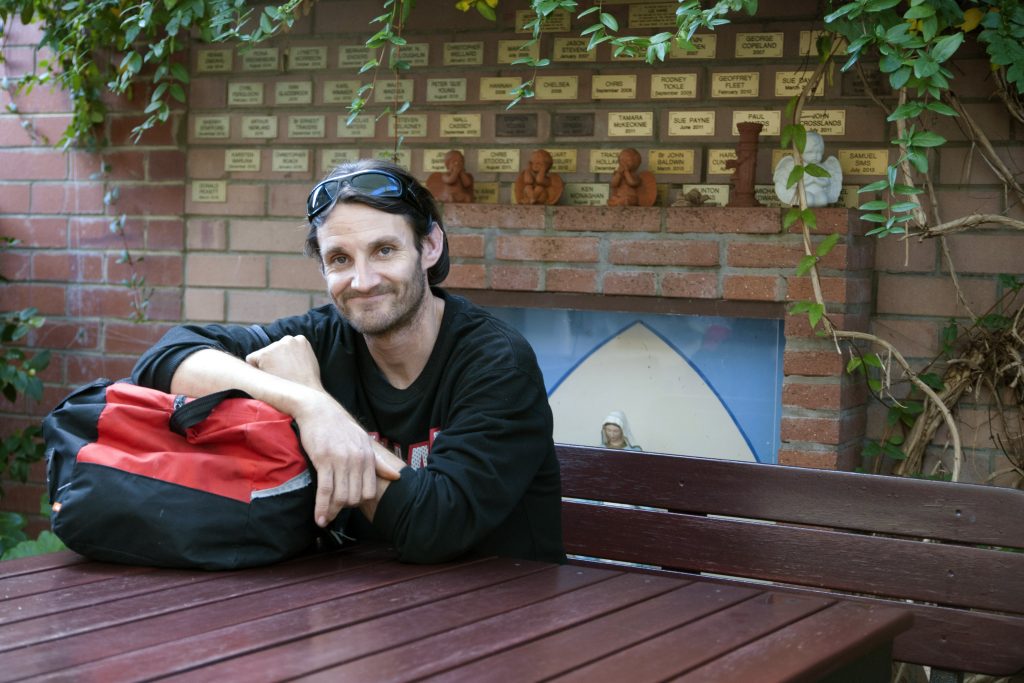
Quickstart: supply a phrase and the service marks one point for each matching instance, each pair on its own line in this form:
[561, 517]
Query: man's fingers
[324, 496]
[384, 470]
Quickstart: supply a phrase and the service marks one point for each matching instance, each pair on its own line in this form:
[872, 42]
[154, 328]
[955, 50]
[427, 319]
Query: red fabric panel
[244, 445]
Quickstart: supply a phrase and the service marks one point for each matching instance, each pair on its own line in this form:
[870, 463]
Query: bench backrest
[955, 550]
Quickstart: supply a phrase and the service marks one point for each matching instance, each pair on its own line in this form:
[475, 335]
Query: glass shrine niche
[690, 385]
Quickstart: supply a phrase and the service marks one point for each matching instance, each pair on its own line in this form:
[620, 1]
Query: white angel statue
[819, 191]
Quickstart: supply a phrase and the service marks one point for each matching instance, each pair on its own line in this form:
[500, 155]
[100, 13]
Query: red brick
[466, 246]
[150, 200]
[105, 302]
[832, 396]
[902, 256]
[571, 280]
[281, 236]
[515, 278]
[67, 267]
[690, 285]
[15, 266]
[833, 289]
[70, 334]
[718, 219]
[913, 338]
[207, 234]
[119, 130]
[86, 368]
[607, 218]
[466, 276]
[17, 33]
[74, 198]
[286, 199]
[634, 284]
[131, 338]
[208, 93]
[165, 234]
[49, 299]
[798, 325]
[295, 272]
[36, 232]
[752, 287]
[572, 249]
[920, 295]
[664, 252]
[813, 363]
[17, 197]
[36, 164]
[259, 306]
[166, 165]
[820, 460]
[43, 100]
[94, 233]
[494, 216]
[165, 305]
[47, 129]
[227, 270]
[985, 253]
[159, 270]
[814, 430]
[125, 164]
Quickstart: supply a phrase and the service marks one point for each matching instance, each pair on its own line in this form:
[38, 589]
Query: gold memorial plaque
[558, 21]
[717, 159]
[415, 54]
[354, 56]
[511, 50]
[485, 193]
[212, 127]
[563, 160]
[824, 121]
[213, 191]
[460, 125]
[771, 120]
[362, 127]
[673, 86]
[710, 195]
[777, 155]
[464, 54]
[705, 47]
[306, 127]
[790, 83]
[433, 159]
[498, 160]
[260, 127]
[630, 124]
[245, 94]
[675, 161]
[446, 90]
[247, 160]
[586, 194]
[403, 158]
[497, 88]
[213, 61]
[863, 161]
[392, 91]
[572, 50]
[735, 84]
[809, 44]
[765, 194]
[409, 125]
[617, 87]
[307, 58]
[290, 161]
[849, 197]
[759, 45]
[293, 92]
[260, 59]
[557, 87]
[604, 160]
[691, 123]
[340, 92]
[332, 158]
[658, 15]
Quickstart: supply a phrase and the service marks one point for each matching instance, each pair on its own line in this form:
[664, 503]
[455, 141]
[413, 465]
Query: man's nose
[364, 277]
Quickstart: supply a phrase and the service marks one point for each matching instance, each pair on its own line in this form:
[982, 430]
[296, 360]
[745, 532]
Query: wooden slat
[40, 563]
[427, 656]
[597, 638]
[893, 505]
[839, 635]
[945, 574]
[61, 577]
[690, 646]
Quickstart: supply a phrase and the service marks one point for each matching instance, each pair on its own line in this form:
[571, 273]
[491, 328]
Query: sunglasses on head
[372, 183]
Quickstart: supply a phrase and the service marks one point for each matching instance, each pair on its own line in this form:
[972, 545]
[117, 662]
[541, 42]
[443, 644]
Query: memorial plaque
[717, 159]
[572, 50]
[673, 86]
[464, 54]
[557, 87]
[853, 86]
[446, 90]
[341, 92]
[826, 122]
[563, 160]
[498, 160]
[734, 84]
[618, 87]
[212, 127]
[498, 88]
[659, 15]
[213, 61]
[863, 161]
[354, 56]
[691, 123]
[245, 94]
[403, 158]
[573, 125]
[260, 127]
[849, 197]
[558, 21]
[765, 194]
[716, 195]
[604, 160]
[306, 127]
[790, 83]
[293, 92]
[759, 45]
[809, 44]
[511, 50]
[671, 161]
[515, 125]
[415, 54]
[213, 191]
[362, 127]
[460, 126]
[485, 193]
[409, 125]
[260, 59]
[307, 58]
[392, 91]
[705, 46]
[433, 159]
[777, 155]
[586, 194]
[242, 160]
[771, 120]
[332, 158]
[290, 161]
[630, 124]
[661, 194]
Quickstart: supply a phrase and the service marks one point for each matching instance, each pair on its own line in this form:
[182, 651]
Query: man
[414, 405]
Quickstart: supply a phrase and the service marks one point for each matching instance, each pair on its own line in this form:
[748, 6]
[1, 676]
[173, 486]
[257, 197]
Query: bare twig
[967, 222]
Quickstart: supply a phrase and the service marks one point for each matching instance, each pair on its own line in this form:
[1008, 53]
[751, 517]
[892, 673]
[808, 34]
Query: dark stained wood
[40, 563]
[61, 577]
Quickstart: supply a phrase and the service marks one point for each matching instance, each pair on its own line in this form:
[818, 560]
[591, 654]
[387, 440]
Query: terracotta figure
[535, 184]
[744, 166]
[630, 186]
[455, 184]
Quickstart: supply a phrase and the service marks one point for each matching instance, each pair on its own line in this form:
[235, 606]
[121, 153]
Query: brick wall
[237, 258]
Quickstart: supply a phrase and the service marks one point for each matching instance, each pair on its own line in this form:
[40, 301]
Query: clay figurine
[819, 191]
[630, 185]
[455, 185]
[615, 432]
[744, 166]
[535, 184]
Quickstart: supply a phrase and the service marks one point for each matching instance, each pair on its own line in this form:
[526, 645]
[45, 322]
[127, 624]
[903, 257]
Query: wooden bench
[950, 553]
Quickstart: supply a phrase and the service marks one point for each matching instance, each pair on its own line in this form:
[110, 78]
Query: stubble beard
[393, 318]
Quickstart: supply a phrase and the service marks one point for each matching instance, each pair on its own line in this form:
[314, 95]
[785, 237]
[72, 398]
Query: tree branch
[965, 223]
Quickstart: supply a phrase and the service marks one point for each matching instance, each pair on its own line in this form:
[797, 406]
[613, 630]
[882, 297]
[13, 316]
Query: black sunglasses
[373, 183]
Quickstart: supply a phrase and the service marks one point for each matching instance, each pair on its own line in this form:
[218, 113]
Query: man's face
[375, 271]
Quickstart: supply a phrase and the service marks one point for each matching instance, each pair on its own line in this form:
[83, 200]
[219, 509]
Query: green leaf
[941, 108]
[906, 189]
[809, 218]
[880, 5]
[920, 11]
[817, 171]
[1007, 281]
[791, 217]
[485, 11]
[873, 360]
[874, 385]
[806, 263]
[932, 380]
[177, 92]
[180, 72]
[902, 207]
[900, 77]
[853, 365]
[874, 205]
[609, 21]
[926, 138]
[876, 186]
[795, 175]
[826, 245]
[842, 12]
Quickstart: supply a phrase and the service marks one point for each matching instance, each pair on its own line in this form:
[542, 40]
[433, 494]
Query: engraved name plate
[293, 92]
[485, 193]
[260, 59]
[863, 161]
[433, 159]
[765, 195]
[586, 194]
[619, 87]
[674, 161]
[212, 127]
[825, 121]
[713, 195]
[759, 45]
[446, 90]
[604, 160]
[259, 127]
[213, 61]
[290, 161]
[242, 160]
[415, 54]
[734, 84]
[573, 125]
[511, 50]
[307, 58]
[557, 87]
[771, 120]
[563, 160]
[673, 86]
[213, 191]
[572, 50]
[717, 159]
[790, 83]
[331, 158]
[498, 160]
[306, 127]
[245, 94]
[809, 44]
[630, 123]
[464, 54]
[340, 92]
[403, 158]
[660, 15]
[362, 127]
[515, 125]
[460, 125]
[558, 21]
[705, 46]
[498, 88]
[691, 123]
[391, 91]
[409, 125]
[353, 56]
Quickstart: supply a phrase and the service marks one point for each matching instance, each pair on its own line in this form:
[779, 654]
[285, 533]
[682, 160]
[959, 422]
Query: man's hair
[421, 215]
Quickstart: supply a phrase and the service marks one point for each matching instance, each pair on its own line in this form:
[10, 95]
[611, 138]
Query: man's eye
[338, 260]
[386, 251]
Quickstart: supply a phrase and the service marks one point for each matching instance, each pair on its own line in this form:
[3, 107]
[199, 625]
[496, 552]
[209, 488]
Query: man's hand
[290, 358]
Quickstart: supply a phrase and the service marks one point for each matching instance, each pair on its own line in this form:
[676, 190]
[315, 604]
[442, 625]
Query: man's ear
[433, 246]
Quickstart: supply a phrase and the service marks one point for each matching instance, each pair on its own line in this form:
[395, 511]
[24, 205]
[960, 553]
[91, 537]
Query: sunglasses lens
[321, 197]
[372, 183]
[376, 184]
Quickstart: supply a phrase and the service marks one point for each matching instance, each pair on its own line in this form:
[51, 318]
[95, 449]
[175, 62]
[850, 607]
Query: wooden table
[360, 615]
